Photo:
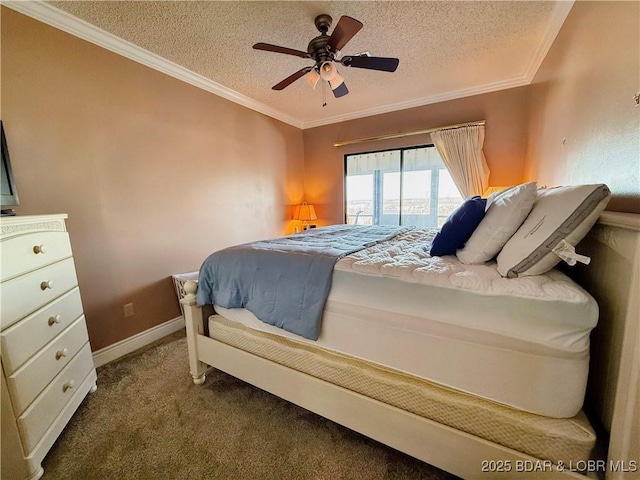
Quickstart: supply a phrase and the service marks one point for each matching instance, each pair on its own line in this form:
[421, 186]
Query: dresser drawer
[35, 421]
[27, 293]
[26, 337]
[29, 252]
[28, 381]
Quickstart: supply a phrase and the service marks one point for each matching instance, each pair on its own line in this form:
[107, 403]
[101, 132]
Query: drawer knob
[68, 385]
[53, 320]
[45, 285]
[39, 249]
[62, 353]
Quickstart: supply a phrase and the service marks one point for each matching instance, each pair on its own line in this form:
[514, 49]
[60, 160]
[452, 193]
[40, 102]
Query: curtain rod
[406, 134]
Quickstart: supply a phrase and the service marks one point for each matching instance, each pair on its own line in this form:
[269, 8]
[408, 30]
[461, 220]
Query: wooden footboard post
[194, 320]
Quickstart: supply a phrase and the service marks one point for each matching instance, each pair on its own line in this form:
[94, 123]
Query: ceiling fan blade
[275, 48]
[341, 90]
[384, 64]
[292, 78]
[346, 28]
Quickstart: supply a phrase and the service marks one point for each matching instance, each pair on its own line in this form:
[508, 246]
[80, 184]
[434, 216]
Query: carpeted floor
[147, 420]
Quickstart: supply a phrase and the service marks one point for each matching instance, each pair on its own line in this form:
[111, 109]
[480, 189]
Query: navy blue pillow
[459, 226]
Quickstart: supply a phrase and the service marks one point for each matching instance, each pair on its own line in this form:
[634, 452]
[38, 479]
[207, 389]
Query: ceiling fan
[324, 50]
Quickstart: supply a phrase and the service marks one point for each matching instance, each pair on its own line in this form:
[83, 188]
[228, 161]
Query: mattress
[557, 440]
[521, 342]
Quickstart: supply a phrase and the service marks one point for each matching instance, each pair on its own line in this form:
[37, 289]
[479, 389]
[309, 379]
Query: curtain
[461, 151]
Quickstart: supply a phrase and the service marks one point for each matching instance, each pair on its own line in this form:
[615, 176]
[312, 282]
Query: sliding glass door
[409, 186]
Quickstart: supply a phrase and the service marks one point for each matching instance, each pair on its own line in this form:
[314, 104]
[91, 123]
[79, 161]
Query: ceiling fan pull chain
[324, 94]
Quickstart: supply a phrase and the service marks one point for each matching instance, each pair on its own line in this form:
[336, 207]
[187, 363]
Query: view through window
[409, 186]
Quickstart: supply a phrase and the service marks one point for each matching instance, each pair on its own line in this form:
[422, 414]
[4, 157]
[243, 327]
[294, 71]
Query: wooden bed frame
[613, 278]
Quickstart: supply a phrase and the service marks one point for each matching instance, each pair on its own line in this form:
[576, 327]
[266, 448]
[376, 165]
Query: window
[409, 186]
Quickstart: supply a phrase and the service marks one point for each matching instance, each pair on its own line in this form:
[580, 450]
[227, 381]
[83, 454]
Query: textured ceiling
[446, 49]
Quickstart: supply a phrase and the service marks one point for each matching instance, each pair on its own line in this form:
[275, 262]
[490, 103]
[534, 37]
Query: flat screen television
[8, 192]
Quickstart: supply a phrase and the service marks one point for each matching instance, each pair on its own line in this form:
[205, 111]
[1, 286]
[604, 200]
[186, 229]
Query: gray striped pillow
[560, 213]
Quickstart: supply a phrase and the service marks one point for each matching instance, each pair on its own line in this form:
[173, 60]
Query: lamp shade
[305, 212]
[328, 71]
[312, 78]
[336, 81]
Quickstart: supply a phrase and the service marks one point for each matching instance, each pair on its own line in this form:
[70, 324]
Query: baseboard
[128, 345]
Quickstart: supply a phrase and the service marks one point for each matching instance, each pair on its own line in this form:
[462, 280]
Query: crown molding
[66, 22]
[512, 82]
[560, 13]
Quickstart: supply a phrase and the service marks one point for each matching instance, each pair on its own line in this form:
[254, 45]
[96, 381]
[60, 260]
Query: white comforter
[406, 258]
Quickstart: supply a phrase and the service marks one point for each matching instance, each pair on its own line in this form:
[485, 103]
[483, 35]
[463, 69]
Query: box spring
[566, 440]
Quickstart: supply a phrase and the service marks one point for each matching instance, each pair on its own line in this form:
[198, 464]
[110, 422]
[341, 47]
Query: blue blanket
[285, 281]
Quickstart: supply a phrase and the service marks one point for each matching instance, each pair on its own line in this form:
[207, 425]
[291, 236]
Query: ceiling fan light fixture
[312, 78]
[328, 71]
[336, 81]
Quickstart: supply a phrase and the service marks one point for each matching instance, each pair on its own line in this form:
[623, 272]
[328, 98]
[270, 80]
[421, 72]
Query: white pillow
[506, 212]
[561, 213]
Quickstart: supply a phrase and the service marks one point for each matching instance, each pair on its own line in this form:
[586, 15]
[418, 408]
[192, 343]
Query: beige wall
[505, 112]
[154, 174]
[585, 127]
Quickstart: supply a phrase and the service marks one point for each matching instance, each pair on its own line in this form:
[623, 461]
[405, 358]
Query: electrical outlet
[128, 310]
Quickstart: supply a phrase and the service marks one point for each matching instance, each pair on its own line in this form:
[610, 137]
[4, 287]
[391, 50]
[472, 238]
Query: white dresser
[47, 366]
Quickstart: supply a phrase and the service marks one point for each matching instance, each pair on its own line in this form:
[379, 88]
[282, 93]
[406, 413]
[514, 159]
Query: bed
[445, 374]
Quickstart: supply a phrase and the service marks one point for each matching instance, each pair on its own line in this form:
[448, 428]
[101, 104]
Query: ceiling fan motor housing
[317, 47]
[323, 23]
